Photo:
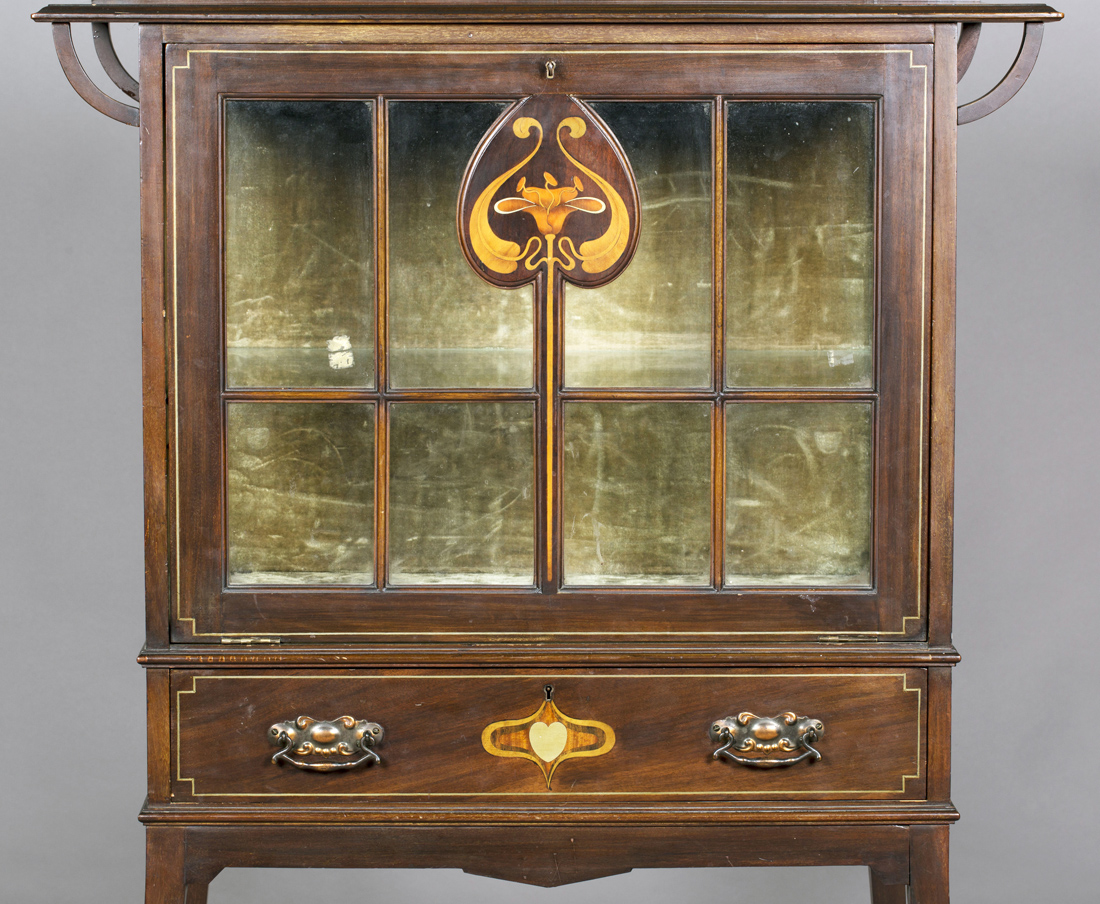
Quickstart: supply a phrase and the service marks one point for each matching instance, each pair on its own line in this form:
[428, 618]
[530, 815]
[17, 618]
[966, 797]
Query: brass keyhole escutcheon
[551, 65]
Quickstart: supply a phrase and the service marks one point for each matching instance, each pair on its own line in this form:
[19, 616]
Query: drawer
[615, 734]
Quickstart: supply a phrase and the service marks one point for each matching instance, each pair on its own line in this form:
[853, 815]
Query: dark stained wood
[928, 865]
[872, 746]
[901, 372]
[207, 611]
[558, 34]
[381, 339]
[164, 865]
[548, 855]
[159, 720]
[265, 656]
[1013, 81]
[233, 11]
[434, 666]
[941, 521]
[154, 389]
[881, 893]
[939, 734]
[501, 151]
[718, 340]
[108, 59]
[522, 870]
[969, 36]
[82, 84]
[705, 813]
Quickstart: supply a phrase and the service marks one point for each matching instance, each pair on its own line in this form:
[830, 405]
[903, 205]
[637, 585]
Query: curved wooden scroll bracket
[108, 59]
[969, 35]
[83, 85]
[1011, 83]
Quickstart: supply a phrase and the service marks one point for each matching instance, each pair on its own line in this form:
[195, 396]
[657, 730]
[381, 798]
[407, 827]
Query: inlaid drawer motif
[645, 735]
[548, 737]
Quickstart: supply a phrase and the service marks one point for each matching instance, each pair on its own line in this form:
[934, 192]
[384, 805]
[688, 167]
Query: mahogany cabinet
[548, 432]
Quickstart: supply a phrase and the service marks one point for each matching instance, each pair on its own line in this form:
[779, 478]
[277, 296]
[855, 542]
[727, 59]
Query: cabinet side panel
[154, 410]
[942, 496]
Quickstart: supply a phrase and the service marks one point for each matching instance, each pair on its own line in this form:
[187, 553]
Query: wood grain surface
[873, 745]
[895, 79]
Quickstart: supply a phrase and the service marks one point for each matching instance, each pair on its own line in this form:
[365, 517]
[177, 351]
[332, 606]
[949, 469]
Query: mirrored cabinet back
[548, 431]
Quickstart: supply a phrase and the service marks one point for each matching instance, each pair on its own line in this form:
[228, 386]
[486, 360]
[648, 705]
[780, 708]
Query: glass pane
[299, 243]
[800, 244]
[652, 326]
[462, 507]
[447, 327]
[300, 493]
[798, 493]
[637, 502]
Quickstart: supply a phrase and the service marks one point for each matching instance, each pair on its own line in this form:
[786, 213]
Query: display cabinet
[548, 432]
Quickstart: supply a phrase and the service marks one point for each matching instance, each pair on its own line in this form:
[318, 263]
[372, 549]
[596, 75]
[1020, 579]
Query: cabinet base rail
[183, 860]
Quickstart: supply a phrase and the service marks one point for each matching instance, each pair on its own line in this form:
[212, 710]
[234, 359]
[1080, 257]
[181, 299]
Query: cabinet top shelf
[711, 11]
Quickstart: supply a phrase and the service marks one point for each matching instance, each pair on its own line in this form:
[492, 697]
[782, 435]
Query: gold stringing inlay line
[195, 679]
[483, 52]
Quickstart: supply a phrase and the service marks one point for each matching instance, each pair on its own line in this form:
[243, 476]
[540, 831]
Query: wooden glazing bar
[549, 343]
[718, 495]
[381, 493]
[799, 395]
[718, 345]
[637, 395]
[718, 331]
[371, 395]
[381, 243]
[461, 395]
[381, 340]
[301, 395]
[706, 395]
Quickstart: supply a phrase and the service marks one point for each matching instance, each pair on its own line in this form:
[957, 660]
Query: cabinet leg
[196, 894]
[164, 865]
[881, 893]
[928, 865]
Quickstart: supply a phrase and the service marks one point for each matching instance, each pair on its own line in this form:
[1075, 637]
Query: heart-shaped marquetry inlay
[548, 737]
[548, 741]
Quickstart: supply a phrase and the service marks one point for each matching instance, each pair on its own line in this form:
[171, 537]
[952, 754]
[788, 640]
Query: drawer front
[241, 736]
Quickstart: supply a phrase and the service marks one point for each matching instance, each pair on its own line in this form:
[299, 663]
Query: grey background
[1026, 735]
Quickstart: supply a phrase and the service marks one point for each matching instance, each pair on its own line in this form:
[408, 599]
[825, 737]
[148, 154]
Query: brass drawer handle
[759, 737]
[337, 743]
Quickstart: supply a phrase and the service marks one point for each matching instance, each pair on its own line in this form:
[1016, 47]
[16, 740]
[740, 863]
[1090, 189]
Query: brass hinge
[252, 640]
[848, 638]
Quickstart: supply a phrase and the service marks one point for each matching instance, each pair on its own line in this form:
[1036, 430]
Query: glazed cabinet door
[503, 343]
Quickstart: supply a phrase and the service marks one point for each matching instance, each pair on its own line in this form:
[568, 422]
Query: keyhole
[551, 65]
